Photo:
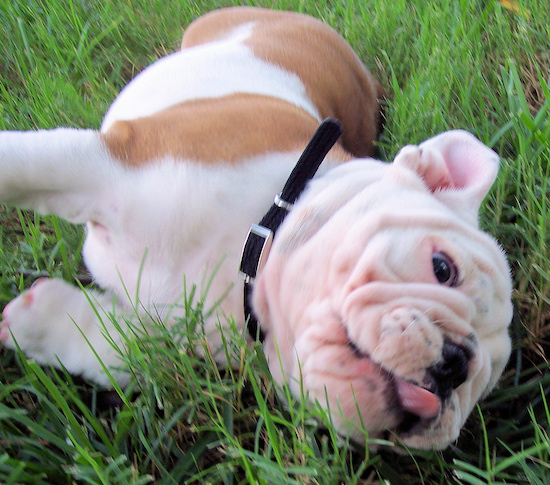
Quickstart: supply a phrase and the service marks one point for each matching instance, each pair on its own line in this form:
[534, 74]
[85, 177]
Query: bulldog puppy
[381, 296]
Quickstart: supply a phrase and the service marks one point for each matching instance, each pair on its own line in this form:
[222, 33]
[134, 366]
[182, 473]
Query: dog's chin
[391, 408]
[416, 407]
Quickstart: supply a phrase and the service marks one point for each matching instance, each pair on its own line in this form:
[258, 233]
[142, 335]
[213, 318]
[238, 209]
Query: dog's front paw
[23, 318]
[54, 322]
[37, 320]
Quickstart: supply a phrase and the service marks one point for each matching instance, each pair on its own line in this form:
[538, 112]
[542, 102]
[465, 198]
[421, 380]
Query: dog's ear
[455, 166]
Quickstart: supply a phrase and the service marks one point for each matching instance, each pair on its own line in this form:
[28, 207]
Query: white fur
[59, 171]
[353, 263]
[176, 219]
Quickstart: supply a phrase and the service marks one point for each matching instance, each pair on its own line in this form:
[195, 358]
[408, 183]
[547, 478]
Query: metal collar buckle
[255, 251]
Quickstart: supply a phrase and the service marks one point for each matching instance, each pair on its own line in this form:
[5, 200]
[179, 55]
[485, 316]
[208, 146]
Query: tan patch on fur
[226, 129]
[335, 79]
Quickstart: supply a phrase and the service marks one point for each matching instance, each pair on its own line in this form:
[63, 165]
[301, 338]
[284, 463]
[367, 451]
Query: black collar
[258, 242]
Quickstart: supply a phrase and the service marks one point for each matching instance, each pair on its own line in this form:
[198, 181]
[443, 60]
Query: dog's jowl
[380, 294]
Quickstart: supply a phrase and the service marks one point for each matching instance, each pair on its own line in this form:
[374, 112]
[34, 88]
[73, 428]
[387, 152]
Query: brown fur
[336, 80]
[239, 126]
[229, 129]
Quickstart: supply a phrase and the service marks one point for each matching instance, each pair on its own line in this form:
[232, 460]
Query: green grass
[465, 64]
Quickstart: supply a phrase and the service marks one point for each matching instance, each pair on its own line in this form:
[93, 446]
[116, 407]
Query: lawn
[479, 65]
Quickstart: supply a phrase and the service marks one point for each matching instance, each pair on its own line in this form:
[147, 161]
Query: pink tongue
[417, 400]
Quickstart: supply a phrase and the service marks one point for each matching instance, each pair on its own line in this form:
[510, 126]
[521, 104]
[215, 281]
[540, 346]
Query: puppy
[380, 296]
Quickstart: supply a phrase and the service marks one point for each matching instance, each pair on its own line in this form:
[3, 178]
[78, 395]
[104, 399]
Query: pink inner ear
[435, 172]
[462, 168]
[456, 160]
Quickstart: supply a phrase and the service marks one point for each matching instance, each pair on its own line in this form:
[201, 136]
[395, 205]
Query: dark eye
[444, 269]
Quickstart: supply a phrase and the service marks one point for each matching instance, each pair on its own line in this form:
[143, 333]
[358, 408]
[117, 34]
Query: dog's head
[383, 299]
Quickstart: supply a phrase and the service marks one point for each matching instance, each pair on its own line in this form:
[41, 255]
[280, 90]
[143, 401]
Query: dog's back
[248, 81]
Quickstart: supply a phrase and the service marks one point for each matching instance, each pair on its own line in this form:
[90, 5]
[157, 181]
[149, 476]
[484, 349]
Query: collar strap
[260, 237]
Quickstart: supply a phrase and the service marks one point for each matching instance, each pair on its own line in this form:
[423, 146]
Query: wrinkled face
[388, 304]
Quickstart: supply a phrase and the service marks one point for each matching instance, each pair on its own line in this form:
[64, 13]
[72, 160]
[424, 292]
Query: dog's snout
[452, 370]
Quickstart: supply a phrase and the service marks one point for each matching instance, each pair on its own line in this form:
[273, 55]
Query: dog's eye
[444, 269]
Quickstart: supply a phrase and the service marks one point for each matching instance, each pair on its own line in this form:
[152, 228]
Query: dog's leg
[66, 172]
[71, 174]
[56, 323]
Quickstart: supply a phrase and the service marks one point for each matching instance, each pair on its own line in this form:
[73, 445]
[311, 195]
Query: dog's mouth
[416, 404]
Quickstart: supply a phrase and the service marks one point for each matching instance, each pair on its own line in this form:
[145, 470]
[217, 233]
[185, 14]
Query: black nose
[451, 370]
